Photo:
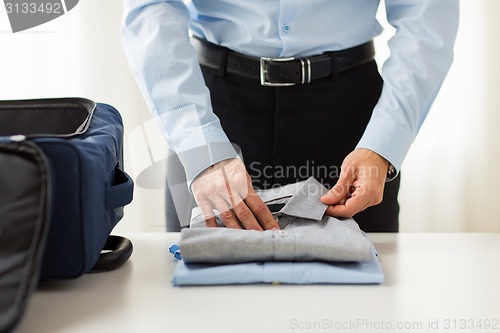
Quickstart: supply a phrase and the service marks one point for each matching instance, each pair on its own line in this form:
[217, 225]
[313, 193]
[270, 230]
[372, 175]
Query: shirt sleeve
[421, 55]
[155, 38]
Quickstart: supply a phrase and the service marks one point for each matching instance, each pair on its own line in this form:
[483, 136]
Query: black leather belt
[282, 71]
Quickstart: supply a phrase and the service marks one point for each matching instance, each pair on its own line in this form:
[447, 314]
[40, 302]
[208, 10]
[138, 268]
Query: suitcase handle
[121, 192]
[115, 253]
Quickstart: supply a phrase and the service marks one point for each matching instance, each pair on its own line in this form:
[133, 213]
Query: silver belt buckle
[306, 71]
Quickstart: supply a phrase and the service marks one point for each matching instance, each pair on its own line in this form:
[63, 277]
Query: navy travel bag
[82, 144]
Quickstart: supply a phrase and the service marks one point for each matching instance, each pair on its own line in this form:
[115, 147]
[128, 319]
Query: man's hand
[227, 187]
[360, 185]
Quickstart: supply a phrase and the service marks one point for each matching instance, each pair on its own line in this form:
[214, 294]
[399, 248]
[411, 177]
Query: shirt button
[286, 28]
[283, 233]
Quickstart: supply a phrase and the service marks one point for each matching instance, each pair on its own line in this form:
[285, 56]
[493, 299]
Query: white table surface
[433, 282]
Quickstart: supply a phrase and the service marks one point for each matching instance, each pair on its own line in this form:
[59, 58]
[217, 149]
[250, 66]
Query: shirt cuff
[388, 139]
[204, 148]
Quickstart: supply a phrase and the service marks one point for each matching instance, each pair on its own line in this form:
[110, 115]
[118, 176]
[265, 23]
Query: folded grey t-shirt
[306, 235]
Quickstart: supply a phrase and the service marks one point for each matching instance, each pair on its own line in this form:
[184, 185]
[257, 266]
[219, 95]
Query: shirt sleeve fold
[156, 41]
[421, 55]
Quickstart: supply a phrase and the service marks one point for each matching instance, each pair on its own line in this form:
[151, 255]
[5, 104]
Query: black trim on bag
[35, 118]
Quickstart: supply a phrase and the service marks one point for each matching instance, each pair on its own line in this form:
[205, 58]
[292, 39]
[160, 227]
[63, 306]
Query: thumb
[339, 191]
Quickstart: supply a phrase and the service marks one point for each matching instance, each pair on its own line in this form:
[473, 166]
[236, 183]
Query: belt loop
[335, 66]
[221, 71]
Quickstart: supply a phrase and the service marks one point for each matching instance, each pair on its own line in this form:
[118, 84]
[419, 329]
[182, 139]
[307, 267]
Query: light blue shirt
[369, 272]
[155, 38]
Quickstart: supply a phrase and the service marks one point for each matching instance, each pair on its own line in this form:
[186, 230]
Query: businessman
[294, 86]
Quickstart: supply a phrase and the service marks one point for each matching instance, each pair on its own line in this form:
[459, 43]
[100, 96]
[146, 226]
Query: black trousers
[287, 134]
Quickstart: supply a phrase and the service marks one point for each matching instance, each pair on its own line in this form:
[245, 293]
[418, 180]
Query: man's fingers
[351, 207]
[245, 215]
[230, 191]
[340, 191]
[258, 209]
[208, 215]
[261, 211]
[226, 214]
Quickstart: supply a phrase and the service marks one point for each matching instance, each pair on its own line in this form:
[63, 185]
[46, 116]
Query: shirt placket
[285, 24]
